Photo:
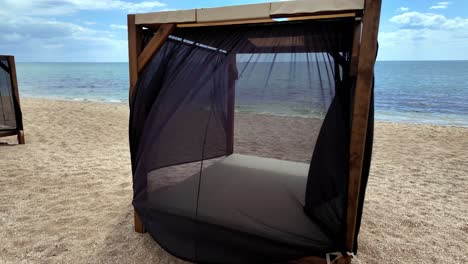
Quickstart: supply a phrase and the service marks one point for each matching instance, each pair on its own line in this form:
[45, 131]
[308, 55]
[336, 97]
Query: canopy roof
[251, 12]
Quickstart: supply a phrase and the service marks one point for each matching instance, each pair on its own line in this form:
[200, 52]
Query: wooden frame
[18, 131]
[362, 67]
[268, 20]
[360, 115]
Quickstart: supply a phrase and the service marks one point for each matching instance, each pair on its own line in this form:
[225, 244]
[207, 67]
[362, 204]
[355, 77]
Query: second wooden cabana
[11, 120]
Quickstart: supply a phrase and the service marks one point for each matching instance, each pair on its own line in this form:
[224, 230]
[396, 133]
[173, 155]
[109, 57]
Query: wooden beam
[134, 49]
[18, 133]
[362, 98]
[8, 133]
[267, 20]
[155, 44]
[14, 80]
[227, 23]
[356, 45]
[4, 67]
[323, 16]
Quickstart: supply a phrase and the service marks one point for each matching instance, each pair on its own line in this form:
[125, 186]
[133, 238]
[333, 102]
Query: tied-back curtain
[8, 109]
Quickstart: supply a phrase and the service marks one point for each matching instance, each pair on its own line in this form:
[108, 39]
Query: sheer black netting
[239, 138]
[9, 111]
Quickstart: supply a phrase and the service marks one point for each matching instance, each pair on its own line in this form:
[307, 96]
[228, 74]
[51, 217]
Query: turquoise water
[419, 92]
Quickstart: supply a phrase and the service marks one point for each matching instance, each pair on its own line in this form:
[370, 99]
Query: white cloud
[143, 6]
[63, 7]
[440, 5]
[41, 39]
[35, 30]
[429, 20]
[114, 26]
[424, 36]
[403, 9]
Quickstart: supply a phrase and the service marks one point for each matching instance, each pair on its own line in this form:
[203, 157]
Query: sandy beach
[65, 196]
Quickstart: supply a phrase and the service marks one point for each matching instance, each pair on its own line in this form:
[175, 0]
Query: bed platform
[253, 196]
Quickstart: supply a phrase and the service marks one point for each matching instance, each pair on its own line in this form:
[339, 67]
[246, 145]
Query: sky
[96, 31]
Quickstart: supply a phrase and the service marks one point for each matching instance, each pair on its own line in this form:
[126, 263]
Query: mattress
[253, 195]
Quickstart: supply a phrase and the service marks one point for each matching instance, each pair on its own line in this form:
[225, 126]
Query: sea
[433, 92]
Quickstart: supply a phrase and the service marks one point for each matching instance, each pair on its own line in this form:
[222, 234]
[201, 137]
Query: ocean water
[107, 82]
[433, 92]
[422, 92]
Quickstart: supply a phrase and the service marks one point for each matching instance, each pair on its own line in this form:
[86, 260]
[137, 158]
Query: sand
[65, 196]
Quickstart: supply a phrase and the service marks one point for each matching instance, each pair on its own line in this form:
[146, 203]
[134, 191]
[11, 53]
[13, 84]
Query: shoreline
[78, 100]
[377, 119]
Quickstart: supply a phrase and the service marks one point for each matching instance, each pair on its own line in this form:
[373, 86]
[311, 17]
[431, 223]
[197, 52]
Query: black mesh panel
[239, 139]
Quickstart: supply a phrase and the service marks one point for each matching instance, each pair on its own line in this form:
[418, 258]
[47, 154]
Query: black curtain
[180, 122]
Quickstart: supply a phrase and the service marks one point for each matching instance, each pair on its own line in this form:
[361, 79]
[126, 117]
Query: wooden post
[360, 115]
[139, 227]
[8, 133]
[20, 137]
[134, 49]
[137, 60]
[356, 46]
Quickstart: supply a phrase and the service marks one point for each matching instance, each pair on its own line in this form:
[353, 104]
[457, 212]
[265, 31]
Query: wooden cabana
[147, 34]
[11, 121]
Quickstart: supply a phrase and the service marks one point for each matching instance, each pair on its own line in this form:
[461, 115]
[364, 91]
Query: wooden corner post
[360, 115]
[138, 58]
[134, 49]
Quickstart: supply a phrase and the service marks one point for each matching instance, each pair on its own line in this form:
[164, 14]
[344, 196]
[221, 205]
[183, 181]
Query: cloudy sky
[95, 30]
